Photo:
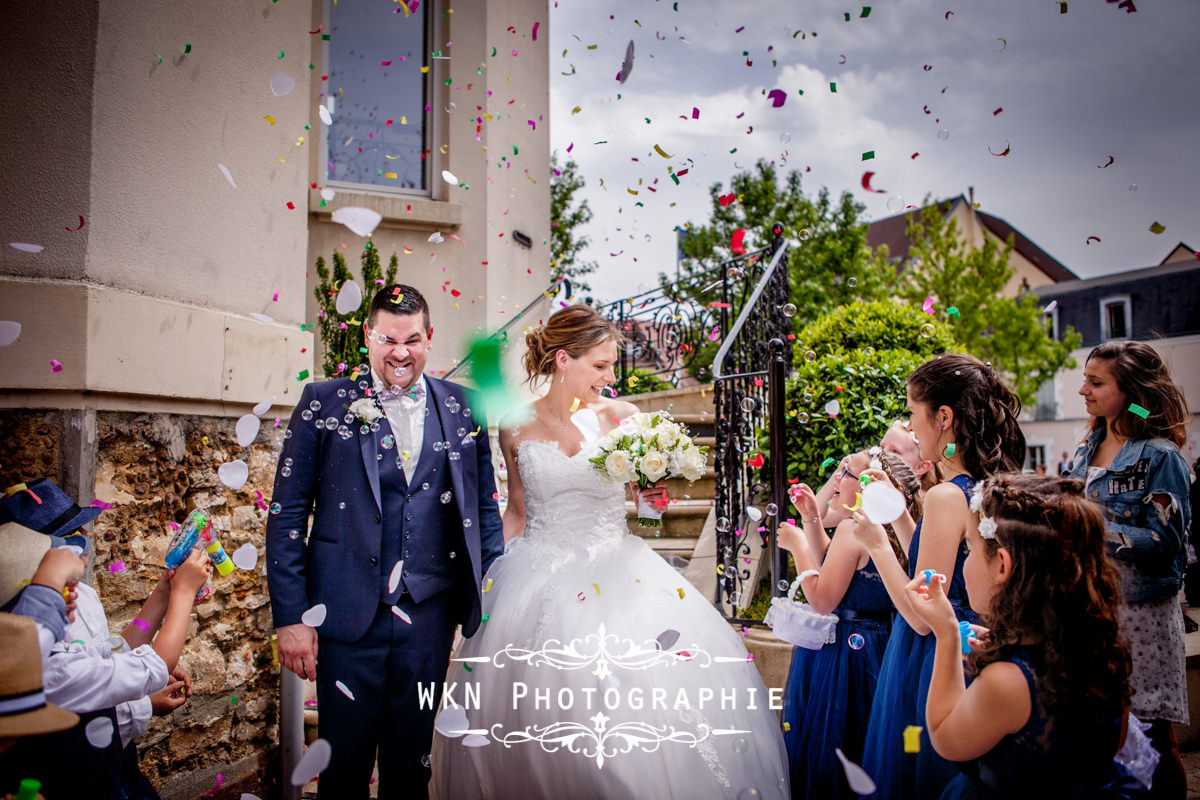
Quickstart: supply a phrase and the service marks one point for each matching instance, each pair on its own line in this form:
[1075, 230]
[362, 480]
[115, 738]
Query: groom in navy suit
[396, 472]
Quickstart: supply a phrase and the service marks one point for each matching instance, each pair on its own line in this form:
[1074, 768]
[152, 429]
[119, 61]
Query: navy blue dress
[1050, 757]
[902, 691]
[829, 691]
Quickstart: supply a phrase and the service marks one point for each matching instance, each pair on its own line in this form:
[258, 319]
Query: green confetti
[280, 54]
[833, 87]
[867, 156]
[303, 375]
[484, 617]
[847, 13]
[866, 12]
[1134, 408]
[156, 55]
[827, 463]
[675, 178]
[187, 47]
[952, 311]
[514, 150]
[467, 667]
[1157, 228]
[325, 37]
[1062, 6]
[233, 700]
[363, 350]
[677, 6]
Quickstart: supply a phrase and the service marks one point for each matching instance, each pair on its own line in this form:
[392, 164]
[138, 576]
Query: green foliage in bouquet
[341, 334]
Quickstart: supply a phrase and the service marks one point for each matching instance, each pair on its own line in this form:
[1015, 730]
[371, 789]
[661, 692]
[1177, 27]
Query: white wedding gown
[627, 682]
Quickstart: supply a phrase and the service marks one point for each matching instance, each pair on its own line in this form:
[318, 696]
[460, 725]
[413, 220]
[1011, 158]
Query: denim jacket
[1145, 496]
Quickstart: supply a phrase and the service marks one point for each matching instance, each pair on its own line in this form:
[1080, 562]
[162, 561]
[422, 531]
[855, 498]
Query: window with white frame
[1116, 320]
[381, 78]
[1051, 313]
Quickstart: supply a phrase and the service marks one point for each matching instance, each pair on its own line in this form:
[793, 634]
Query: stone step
[702, 489]
[683, 519]
[707, 441]
[675, 546]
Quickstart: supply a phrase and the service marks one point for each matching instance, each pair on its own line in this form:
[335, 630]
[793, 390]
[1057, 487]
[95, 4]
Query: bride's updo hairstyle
[575, 329]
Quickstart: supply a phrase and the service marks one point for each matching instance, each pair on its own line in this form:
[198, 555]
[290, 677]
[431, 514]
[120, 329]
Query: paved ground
[1191, 765]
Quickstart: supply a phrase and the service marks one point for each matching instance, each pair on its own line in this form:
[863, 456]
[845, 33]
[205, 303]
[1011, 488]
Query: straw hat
[21, 550]
[23, 707]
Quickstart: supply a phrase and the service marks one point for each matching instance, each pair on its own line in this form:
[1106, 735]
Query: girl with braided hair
[1135, 473]
[1043, 715]
[965, 421]
[828, 697]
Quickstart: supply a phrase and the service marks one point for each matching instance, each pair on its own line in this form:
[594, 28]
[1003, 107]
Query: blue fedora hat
[42, 506]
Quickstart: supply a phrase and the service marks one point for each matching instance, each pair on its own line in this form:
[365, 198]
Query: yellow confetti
[597, 588]
[300, 141]
[912, 739]
[857, 503]
[424, 70]
[204, 440]
[405, 5]
[269, 119]
[487, 587]
[574, 405]
[680, 590]
[274, 651]
[787, 726]
[576, 110]
[631, 191]
[531, 180]
[390, 158]
[390, 175]
[592, 46]
[403, 120]
[660, 151]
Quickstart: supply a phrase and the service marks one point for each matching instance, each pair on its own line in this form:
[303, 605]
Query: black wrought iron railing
[748, 386]
[557, 286]
[667, 328]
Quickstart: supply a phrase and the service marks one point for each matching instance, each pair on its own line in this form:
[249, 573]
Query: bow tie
[415, 394]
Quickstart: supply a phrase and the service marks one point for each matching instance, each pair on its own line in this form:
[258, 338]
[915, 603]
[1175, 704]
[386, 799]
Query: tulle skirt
[604, 674]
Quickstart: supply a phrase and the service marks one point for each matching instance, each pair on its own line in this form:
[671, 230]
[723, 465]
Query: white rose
[366, 410]
[692, 463]
[667, 435]
[654, 465]
[619, 467]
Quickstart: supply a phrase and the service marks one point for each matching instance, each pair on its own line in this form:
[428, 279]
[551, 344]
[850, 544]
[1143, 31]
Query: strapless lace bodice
[568, 504]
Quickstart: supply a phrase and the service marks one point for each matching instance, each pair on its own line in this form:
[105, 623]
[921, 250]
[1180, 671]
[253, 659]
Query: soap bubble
[285, 472]
[735, 273]
[868, 351]
[749, 793]
[749, 404]
[785, 137]
[306, 415]
[782, 585]
[772, 509]
[446, 497]
[315, 405]
[927, 330]
[331, 424]
[943, 135]
[808, 396]
[802, 418]
[320, 424]
[739, 744]
[450, 108]
[895, 203]
[804, 234]
[788, 309]
[1133, 187]
[723, 524]
[388, 442]
[276, 508]
[857, 641]
[852, 282]
[810, 356]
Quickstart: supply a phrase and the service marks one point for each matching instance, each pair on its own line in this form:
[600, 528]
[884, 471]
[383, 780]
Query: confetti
[55, 365]
[313, 763]
[187, 47]
[1007, 149]
[1107, 164]
[324, 114]
[116, 566]
[866, 183]
[315, 616]
[234, 474]
[361, 221]
[928, 307]
[282, 84]
[867, 156]
[777, 97]
[99, 732]
[912, 739]
[245, 557]
[827, 463]
[25, 247]
[1156, 227]
[856, 777]
[737, 244]
[141, 625]
[661, 152]
[627, 64]
[396, 610]
[833, 87]
[269, 119]
[100, 504]
[1134, 408]
[1090, 239]
[341, 687]
[1003, 44]
[81, 220]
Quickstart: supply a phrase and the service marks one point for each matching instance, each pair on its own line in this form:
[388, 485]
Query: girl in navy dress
[1044, 712]
[829, 691]
[965, 421]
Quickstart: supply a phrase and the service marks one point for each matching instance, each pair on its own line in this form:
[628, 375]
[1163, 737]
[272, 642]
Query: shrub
[341, 334]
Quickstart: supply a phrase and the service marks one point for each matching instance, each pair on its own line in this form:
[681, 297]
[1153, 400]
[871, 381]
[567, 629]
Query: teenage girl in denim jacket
[1134, 471]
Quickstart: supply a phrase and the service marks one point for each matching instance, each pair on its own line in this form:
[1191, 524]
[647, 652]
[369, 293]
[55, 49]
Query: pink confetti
[695, 113]
[532, 124]
[116, 566]
[55, 365]
[141, 625]
[535, 27]
[275, 297]
[101, 504]
[387, 63]
[278, 422]
[258, 500]
[570, 147]
[777, 97]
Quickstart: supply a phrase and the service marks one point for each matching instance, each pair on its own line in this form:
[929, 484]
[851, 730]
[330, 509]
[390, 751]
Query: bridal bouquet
[648, 448]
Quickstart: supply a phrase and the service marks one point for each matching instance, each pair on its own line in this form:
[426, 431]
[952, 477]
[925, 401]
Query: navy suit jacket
[338, 562]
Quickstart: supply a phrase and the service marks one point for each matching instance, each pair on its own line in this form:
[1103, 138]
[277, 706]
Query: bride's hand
[655, 495]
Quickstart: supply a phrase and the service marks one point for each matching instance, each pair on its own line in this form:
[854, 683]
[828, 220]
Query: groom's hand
[298, 649]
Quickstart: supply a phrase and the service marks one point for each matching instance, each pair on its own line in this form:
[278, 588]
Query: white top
[406, 415]
[103, 671]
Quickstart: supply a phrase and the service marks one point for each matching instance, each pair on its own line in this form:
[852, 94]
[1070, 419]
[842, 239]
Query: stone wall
[155, 469]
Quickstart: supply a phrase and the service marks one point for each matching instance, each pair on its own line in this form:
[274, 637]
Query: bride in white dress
[598, 671]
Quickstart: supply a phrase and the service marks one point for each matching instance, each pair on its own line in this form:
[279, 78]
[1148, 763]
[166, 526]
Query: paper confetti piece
[99, 732]
[141, 625]
[245, 557]
[1091, 238]
[187, 47]
[912, 739]
[100, 504]
[116, 566]
[867, 156]
[928, 307]
[1134, 408]
[737, 244]
[866, 183]
[396, 574]
[661, 152]
[224, 171]
[777, 97]
[25, 247]
[81, 223]
[315, 616]
[341, 687]
[282, 84]
[952, 311]
[727, 199]
[55, 365]
[627, 64]
[1107, 164]
[269, 119]
[1157, 227]
[313, 763]
[396, 610]
[856, 777]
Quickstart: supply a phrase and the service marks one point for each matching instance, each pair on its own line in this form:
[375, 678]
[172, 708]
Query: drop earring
[563, 379]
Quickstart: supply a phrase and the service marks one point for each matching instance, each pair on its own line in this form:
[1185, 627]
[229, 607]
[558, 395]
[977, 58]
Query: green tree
[341, 334]
[831, 263]
[566, 242]
[861, 356]
[1010, 332]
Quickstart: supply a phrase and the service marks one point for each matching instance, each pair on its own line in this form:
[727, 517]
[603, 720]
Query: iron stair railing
[748, 381]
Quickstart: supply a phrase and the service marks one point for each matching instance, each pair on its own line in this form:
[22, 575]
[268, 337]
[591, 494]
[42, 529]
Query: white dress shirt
[103, 671]
[406, 415]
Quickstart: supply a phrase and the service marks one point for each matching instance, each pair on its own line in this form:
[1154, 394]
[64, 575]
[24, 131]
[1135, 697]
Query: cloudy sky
[1074, 89]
